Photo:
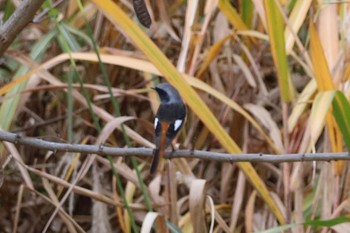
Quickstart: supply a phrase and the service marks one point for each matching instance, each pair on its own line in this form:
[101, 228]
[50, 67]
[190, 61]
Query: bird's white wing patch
[177, 125]
[156, 122]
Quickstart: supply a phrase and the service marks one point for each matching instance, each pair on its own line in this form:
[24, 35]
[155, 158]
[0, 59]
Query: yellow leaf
[321, 70]
[232, 15]
[296, 19]
[212, 53]
[319, 112]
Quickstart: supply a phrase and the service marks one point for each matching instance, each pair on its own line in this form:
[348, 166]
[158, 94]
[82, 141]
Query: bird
[168, 121]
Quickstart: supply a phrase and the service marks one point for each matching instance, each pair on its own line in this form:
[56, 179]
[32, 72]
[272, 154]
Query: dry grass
[262, 88]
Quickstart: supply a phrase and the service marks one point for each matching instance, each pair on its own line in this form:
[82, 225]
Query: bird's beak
[155, 89]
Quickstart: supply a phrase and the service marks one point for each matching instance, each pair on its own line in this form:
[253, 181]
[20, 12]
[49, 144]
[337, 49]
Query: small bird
[169, 119]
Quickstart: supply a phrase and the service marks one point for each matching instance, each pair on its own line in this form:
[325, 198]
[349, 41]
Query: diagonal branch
[147, 152]
[22, 16]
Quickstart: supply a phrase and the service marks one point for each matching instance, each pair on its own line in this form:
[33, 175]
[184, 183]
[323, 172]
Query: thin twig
[148, 152]
[23, 15]
[44, 13]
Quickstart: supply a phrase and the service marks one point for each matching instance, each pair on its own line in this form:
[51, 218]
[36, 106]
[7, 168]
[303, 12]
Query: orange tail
[159, 152]
[155, 161]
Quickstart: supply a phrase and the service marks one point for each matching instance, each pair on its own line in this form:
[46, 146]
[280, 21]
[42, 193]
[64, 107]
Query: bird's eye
[164, 97]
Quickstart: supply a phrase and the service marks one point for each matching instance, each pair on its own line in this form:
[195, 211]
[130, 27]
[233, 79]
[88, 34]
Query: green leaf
[328, 222]
[9, 106]
[341, 112]
[247, 9]
[279, 228]
[276, 34]
[9, 9]
[313, 223]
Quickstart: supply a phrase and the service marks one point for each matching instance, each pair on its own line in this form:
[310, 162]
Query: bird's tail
[159, 151]
[155, 161]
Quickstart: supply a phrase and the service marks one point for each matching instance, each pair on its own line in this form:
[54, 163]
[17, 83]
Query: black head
[167, 93]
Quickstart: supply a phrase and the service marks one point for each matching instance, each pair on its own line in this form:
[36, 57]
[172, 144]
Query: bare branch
[147, 152]
[22, 16]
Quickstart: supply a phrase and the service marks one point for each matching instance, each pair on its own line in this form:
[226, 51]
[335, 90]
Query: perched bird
[169, 119]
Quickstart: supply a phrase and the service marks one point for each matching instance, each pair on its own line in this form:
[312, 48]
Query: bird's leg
[154, 151]
[172, 151]
[193, 144]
